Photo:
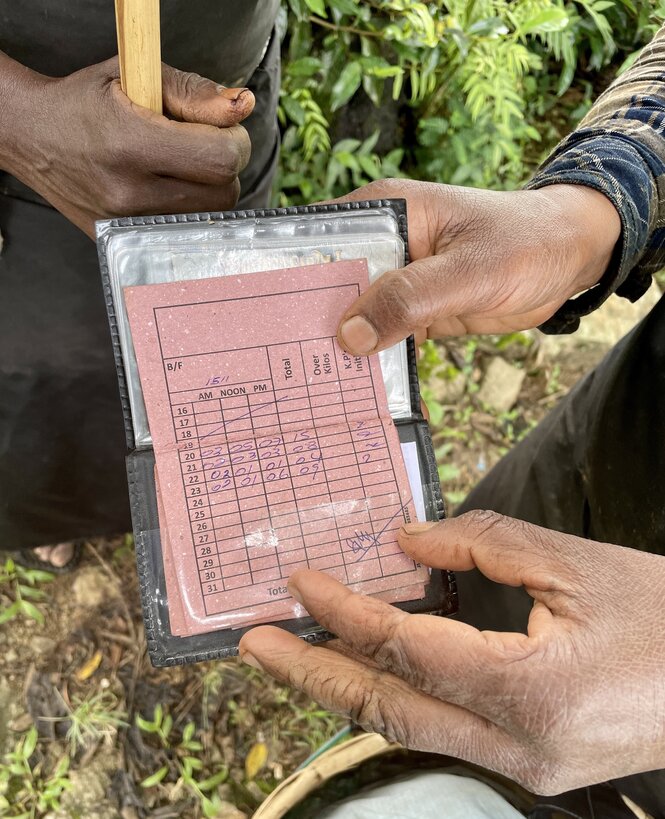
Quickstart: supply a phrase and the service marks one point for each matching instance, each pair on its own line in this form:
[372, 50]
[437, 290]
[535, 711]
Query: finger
[201, 153]
[504, 549]
[379, 701]
[192, 98]
[396, 305]
[338, 647]
[410, 300]
[445, 658]
[152, 143]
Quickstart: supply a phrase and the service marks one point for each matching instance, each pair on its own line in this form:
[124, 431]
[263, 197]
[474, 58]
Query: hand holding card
[267, 448]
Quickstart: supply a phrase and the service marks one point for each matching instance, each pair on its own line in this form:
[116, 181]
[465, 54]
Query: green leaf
[347, 160]
[39, 576]
[145, 725]
[211, 808]
[166, 725]
[304, 67]
[317, 6]
[630, 59]
[370, 143]
[30, 610]
[346, 86]
[29, 743]
[10, 612]
[61, 768]
[33, 594]
[546, 20]
[370, 166]
[188, 732]
[344, 6]
[294, 110]
[156, 778]
[373, 87]
[489, 27]
[213, 781]
[192, 763]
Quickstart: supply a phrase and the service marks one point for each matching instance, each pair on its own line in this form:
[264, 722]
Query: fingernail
[418, 528]
[232, 94]
[293, 591]
[359, 335]
[250, 659]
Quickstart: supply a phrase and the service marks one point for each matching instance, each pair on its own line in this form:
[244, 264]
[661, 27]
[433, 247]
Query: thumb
[402, 302]
[192, 98]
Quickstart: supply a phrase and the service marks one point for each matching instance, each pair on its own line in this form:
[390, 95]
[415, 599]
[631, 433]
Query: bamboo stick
[139, 50]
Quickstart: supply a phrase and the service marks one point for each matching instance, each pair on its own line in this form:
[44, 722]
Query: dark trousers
[595, 467]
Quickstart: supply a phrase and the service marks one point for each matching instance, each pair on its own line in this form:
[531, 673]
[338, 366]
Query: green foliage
[473, 85]
[18, 586]
[29, 787]
[311, 724]
[184, 761]
[93, 719]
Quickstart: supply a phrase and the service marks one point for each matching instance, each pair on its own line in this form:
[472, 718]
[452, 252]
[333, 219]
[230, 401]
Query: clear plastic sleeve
[271, 449]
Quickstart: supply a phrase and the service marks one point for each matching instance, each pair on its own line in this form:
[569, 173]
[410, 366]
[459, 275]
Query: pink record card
[274, 448]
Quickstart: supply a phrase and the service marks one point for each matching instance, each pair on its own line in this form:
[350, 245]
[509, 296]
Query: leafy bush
[469, 92]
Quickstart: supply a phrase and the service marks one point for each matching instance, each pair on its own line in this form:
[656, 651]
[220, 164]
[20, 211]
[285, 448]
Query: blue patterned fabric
[619, 150]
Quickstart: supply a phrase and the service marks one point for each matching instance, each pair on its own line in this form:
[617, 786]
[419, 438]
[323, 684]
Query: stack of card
[275, 449]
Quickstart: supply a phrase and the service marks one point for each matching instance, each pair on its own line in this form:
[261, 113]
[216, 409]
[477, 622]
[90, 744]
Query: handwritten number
[215, 452]
[242, 446]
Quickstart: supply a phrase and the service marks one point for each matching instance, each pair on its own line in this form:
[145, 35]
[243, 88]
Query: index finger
[504, 549]
[442, 657]
[379, 701]
[201, 153]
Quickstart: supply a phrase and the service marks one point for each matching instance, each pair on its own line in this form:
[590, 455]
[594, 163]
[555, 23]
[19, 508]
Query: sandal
[29, 559]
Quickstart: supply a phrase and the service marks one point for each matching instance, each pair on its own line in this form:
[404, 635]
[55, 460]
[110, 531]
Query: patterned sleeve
[619, 149]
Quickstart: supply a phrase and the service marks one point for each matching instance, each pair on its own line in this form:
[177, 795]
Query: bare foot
[58, 555]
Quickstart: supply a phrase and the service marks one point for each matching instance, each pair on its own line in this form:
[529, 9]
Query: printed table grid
[266, 469]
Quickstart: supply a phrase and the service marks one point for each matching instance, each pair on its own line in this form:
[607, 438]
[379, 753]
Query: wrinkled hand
[80, 143]
[578, 700]
[482, 261]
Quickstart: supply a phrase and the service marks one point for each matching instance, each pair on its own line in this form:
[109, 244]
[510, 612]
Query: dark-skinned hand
[579, 699]
[482, 261]
[80, 143]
